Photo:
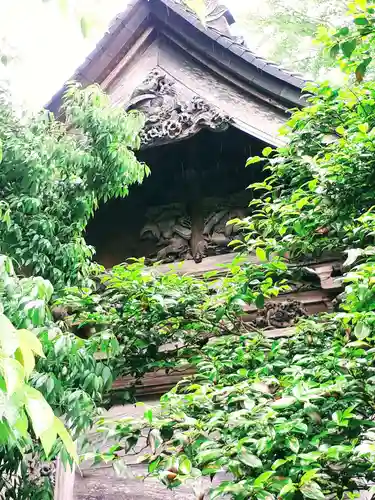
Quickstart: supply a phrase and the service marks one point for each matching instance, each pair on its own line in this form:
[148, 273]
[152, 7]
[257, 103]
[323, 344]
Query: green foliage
[53, 176]
[353, 44]
[318, 196]
[287, 418]
[27, 420]
[136, 311]
[284, 31]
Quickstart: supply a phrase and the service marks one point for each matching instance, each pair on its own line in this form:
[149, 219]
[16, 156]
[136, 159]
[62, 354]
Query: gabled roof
[260, 77]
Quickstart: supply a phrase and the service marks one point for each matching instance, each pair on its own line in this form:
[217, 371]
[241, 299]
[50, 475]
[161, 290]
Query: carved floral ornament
[167, 118]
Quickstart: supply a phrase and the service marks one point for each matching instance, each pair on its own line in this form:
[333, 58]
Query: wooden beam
[64, 486]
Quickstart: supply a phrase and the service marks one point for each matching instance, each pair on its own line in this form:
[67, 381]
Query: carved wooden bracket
[169, 119]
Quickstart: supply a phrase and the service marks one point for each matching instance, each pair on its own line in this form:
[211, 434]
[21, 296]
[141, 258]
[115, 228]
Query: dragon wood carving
[167, 118]
[170, 229]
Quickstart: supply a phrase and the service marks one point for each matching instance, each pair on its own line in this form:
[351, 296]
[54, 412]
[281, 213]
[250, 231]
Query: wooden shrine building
[209, 104]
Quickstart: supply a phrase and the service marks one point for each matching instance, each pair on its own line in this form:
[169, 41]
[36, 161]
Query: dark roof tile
[248, 56]
[260, 64]
[238, 56]
[237, 49]
[225, 41]
[214, 34]
[275, 70]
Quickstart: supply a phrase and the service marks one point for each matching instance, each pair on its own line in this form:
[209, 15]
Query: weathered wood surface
[160, 382]
[65, 480]
[155, 383]
[220, 263]
[103, 484]
[217, 263]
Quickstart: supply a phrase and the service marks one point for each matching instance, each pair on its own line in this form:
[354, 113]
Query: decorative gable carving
[169, 119]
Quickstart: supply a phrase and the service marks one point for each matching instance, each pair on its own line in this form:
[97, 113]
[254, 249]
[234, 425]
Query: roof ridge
[257, 70]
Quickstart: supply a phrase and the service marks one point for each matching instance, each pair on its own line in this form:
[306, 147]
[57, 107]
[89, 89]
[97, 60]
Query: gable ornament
[169, 119]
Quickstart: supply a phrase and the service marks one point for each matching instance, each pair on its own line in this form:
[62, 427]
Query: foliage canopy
[54, 175]
[290, 418]
[287, 418]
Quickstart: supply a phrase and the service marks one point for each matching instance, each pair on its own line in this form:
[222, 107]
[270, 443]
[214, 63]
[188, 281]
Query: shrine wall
[182, 211]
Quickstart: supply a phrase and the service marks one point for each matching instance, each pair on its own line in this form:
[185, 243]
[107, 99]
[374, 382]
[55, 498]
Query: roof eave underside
[235, 58]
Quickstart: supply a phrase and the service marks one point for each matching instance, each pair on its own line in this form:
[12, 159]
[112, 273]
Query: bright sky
[46, 38]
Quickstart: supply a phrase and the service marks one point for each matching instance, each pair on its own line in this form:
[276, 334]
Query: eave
[222, 56]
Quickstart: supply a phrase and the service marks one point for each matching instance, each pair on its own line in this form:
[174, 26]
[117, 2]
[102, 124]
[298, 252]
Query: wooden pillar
[194, 204]
[64, 485]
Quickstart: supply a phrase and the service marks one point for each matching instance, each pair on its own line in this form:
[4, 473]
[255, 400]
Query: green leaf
[152, 466]
[48, 439]
[361, 21]
[26, 358]
[185, 467]
[148, 416]
[288, 488]
[334, 50]
[39, 411]
[263, 478]
[259, 301]
[308, 476]
[293, 443]
[261, 254]
[250, 459]
[278, 463]
[282, 403]
[219, 313]
[264, 495]
[302, 202]
[29, 342]
[362, 4]
[14, 374]
[348, 47]
[353, 255]
[206, 456]
[298, 227]
[361, 331]
[9, 341]
[107, 375]
[65, 438]
[267, 151]
[363, 127]
[254, 159]
[312, 490]
[362, 68]
[344, 31]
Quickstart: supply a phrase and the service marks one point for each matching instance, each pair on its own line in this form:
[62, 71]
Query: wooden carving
[171, 229]
[280, 314]
[168, 119]
[39, 471]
